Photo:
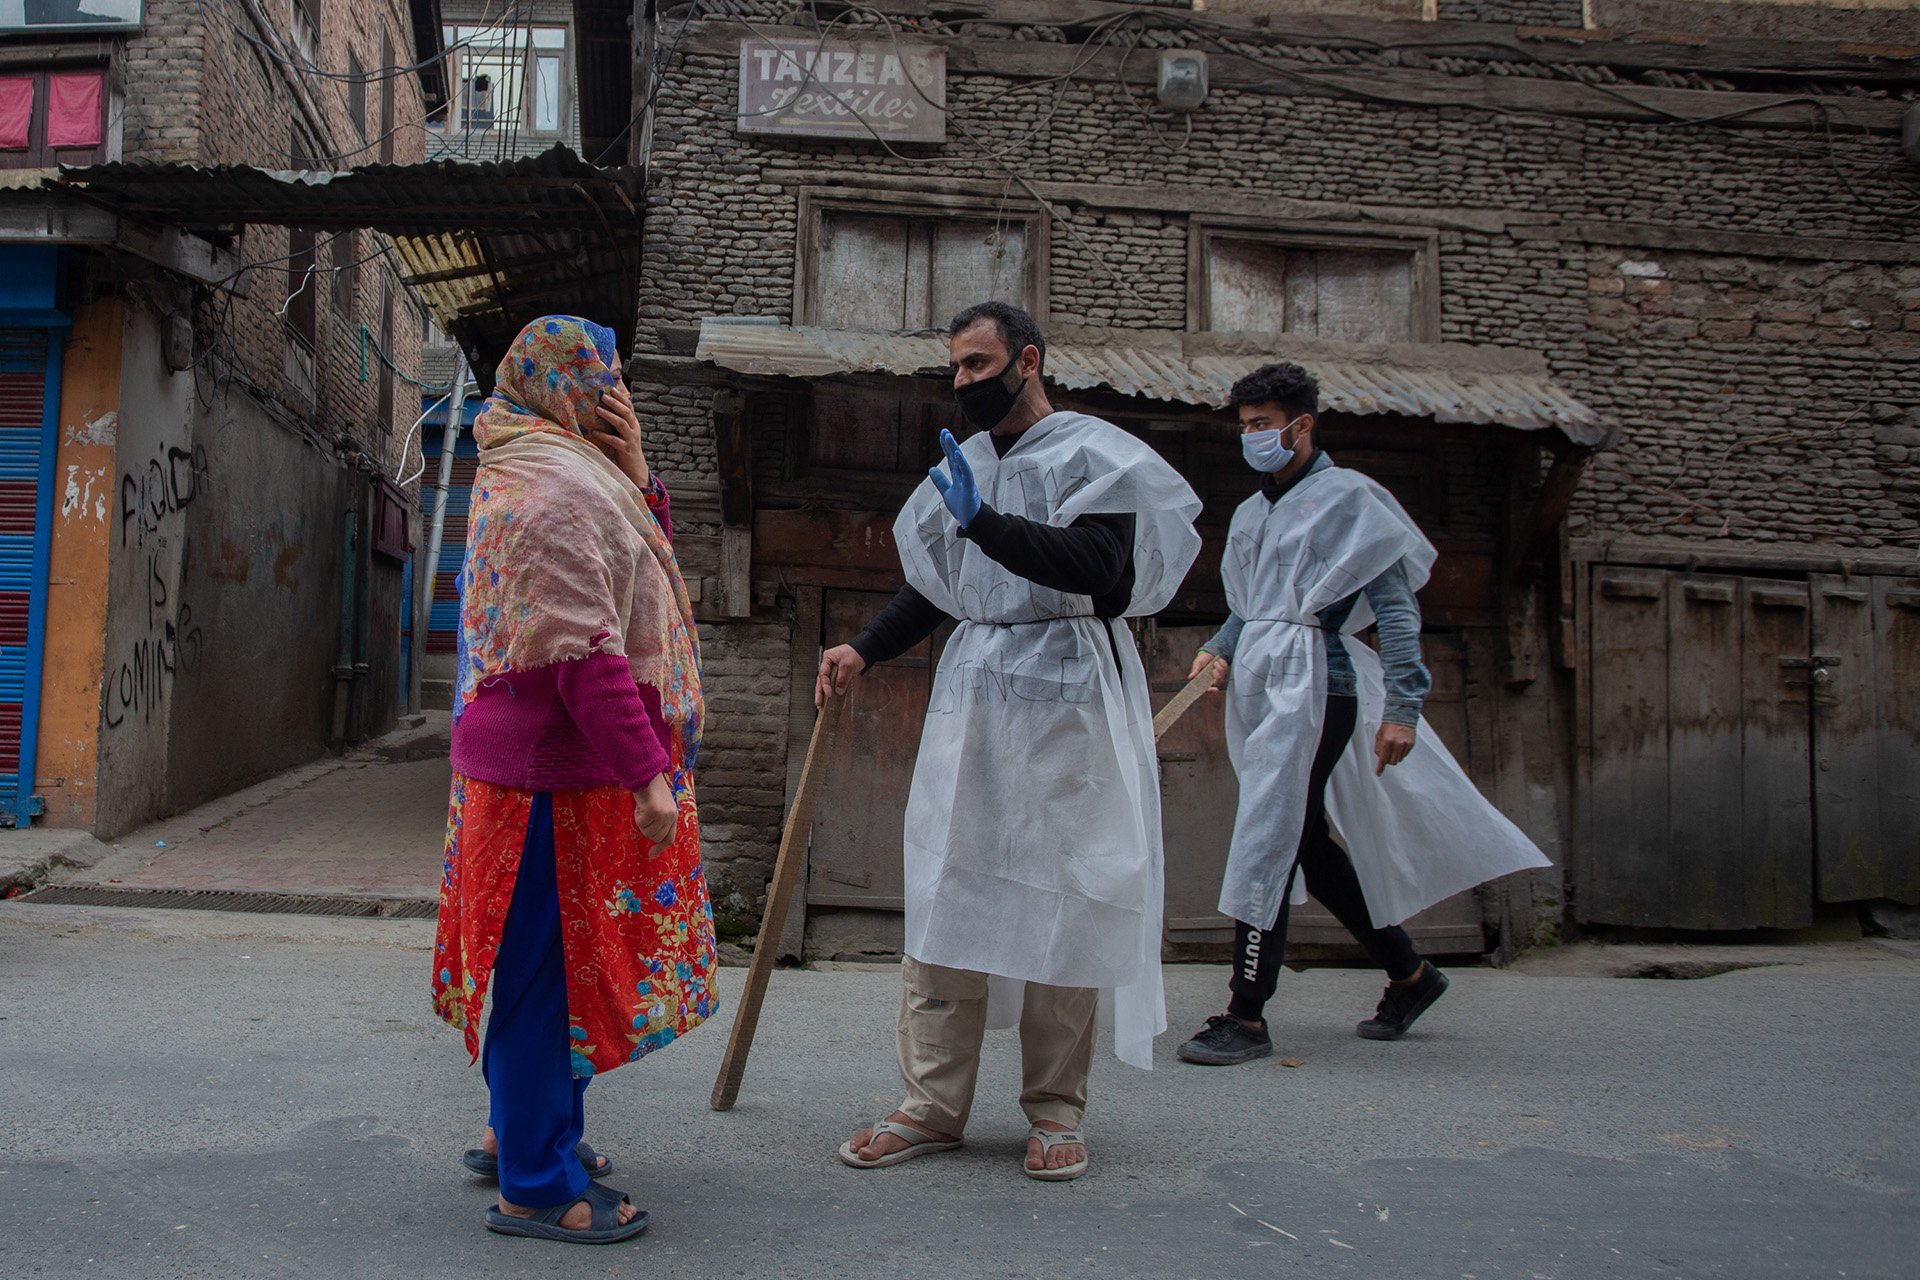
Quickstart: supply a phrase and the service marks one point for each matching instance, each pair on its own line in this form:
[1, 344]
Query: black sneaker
[1402, 1004]
[1225, 1041]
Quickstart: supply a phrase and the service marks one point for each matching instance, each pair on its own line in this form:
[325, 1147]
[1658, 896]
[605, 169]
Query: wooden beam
[1640, 235]
[1165, 198]
[733, 444]
[1708, 557]
[736, 571]
[827, 540]
[1549, 509]
[640, 120]
[1284, 76]
[1499, 41]
[181, 252]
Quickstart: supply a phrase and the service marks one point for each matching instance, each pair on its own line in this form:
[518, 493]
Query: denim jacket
[1396, 613]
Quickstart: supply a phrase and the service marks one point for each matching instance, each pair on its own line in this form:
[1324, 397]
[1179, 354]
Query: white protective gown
[1417, 834]
[1033, 848]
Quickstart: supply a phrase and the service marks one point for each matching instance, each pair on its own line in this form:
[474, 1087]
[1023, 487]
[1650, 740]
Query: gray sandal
[1048, 1141]
[544, 1224]
[479, 1162]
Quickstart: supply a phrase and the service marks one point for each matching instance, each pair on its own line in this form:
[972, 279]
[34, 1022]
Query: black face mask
[987, 402]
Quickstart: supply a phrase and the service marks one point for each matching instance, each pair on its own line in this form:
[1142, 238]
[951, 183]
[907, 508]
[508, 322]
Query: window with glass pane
[303, 286]
[346, 276]
[506, 77]
[546, 93]
[357, 94]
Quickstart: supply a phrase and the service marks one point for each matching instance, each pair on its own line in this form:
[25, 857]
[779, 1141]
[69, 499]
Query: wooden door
[1697, 796]
[1770, 873]
[1864, 674]
[861, 814]
[1198, 796]
[1198, 793]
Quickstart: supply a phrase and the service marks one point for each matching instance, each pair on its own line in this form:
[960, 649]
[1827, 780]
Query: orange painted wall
[84, 506]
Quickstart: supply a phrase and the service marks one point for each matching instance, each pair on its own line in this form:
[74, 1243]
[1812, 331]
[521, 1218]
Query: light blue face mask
[1266, 450]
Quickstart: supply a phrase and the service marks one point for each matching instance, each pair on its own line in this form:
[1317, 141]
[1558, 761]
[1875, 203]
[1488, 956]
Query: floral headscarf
[551, 379]
[564, 559]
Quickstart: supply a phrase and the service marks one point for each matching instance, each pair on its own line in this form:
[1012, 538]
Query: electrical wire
[368, 340]
[1207, 30]
[659, 73]
[997, 155]
[406, 444]
[309, 67]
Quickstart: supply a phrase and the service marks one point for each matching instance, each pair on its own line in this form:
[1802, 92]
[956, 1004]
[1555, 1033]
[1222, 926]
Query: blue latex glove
[961, 494]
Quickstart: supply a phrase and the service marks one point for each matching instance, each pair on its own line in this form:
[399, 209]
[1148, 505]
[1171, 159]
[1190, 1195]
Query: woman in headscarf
[572, 872]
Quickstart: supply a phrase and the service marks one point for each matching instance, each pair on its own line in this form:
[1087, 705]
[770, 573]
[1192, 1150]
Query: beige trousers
[943, 1019]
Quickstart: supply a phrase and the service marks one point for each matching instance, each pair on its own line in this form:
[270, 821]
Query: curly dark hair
[1288, 385]
[1016, 328]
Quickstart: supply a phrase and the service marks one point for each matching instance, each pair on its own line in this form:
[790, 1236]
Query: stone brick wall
[1520, 13]
[1772, 402]
[160, 70]
[742, 773]
[1764, 401]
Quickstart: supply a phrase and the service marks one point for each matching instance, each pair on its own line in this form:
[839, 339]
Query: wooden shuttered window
[895, 271]
[1349, 290]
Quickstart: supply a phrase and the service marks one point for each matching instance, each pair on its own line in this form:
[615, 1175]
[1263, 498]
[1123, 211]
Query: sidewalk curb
[28, 858]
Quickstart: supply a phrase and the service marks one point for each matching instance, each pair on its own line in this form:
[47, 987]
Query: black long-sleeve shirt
[1093, 556]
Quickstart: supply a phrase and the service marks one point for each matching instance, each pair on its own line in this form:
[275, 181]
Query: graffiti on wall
[166, 486]
[152, 497]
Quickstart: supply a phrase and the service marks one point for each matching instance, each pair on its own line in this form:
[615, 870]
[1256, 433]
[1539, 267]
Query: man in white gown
[1312, 558]
[1032, 842]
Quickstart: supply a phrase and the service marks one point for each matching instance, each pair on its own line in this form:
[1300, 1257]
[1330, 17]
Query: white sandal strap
[1049, 1140]
[906, 1133]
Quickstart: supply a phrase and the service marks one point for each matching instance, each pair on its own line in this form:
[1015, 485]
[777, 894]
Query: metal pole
[427, 570]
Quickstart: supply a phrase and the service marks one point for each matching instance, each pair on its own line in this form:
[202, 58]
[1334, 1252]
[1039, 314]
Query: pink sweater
[570, 726]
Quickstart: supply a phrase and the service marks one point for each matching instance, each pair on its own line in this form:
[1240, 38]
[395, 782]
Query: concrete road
[191, 1094]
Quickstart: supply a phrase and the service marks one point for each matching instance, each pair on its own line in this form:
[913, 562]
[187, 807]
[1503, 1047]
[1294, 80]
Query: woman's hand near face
[618, 434]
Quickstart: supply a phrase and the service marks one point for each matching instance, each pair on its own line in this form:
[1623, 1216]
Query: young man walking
[1033, 855]
[1326, 737]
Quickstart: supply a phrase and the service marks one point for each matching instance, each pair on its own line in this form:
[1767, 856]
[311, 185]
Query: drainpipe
[427, 570]
[363, 598]
[343, 652]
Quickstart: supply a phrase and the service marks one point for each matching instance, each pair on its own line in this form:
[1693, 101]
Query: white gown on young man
[1033, 847]
[1420, 832]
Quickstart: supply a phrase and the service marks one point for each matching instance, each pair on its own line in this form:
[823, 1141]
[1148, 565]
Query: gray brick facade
[1744, 300]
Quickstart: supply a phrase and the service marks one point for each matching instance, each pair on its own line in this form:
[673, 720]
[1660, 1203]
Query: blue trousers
[536, 1107]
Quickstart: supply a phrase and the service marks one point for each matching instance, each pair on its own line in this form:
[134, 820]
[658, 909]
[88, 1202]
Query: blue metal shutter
[29, 401]
[443, 622]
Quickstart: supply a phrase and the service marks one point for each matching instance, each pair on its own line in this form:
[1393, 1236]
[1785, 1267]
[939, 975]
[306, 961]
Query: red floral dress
[639, 948]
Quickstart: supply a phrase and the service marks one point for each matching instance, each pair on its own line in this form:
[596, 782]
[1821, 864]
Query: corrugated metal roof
[1446, 382]
[556, 187]
[487, 245]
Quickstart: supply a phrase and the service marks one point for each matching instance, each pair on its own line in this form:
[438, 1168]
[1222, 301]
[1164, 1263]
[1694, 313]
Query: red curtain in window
[73, 108]
[16, 113]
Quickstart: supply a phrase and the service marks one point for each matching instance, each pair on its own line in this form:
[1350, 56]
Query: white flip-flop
[918, 1144]
[1048, 1141]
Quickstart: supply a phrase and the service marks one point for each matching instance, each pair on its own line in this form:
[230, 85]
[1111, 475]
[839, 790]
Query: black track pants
[1257, 953]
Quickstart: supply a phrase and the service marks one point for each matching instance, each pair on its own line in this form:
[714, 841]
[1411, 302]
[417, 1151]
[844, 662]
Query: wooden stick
[786, 872]
[1182, 701]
